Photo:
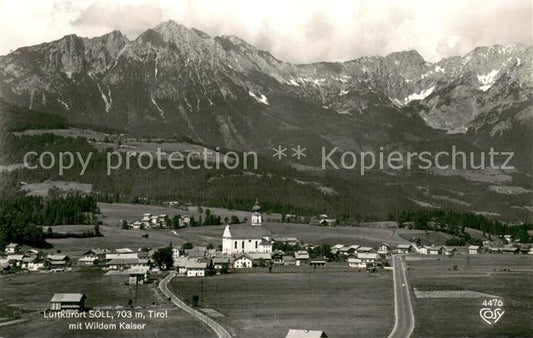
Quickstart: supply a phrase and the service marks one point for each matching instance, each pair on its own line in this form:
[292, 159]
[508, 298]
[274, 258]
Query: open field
[41, 189]
[112, 213]
[305, 233]
[25, 295]
[340, 301]
[114, 238]
[460, 316]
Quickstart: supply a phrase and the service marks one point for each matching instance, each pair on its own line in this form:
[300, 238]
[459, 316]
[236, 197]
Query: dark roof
[249, 232]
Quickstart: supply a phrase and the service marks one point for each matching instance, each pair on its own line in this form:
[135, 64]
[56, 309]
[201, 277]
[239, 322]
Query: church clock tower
[257, 219]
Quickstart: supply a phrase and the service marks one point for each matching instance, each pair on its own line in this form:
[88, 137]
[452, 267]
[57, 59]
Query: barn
[68, 302]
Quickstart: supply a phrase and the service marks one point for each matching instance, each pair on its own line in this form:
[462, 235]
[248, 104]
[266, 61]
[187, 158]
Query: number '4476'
[492, 302]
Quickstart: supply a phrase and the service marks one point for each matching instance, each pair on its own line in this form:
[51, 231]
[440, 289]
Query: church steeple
[257, 219]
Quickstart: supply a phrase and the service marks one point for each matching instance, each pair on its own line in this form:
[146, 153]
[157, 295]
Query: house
[138, 276]
[346, 250]
[259, 258]
[301, 257]
[137, 225]
[292, 241]
[448, 251]
[220, 263]
[180, 264]
[369, 259]
[495, 250]
[68, 302]
[199, 251]
[355, 262]
[364, 249]
[12, 248]
[384, 249]
[403, 248]
[306, 334]
[243, 261]
[240, 239]
[289, 260]
[122, 253]
[185, 221]
[277, 256]
[32, 263]
[510, 250]
[90, 258]
[15, 261]
[196, 268]
[315, 263]
[474, 249]
[127, 263]
[337, 246]
[176, 252]
[99, 254]
[434, 250]
[57, 261]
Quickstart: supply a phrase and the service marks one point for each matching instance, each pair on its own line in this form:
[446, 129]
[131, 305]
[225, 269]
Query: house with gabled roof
[242, 261]
[68, 302]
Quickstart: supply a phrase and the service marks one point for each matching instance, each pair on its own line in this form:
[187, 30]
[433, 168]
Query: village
[244, 247]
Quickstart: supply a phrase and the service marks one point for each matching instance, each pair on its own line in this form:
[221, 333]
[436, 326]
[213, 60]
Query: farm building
[301, 257]
[68, 302]
[127, 263]
[220, 263]
[57, 261]
[259, 258]
[122, 253]
[435, 250]
[243, 261]
[306, 334]
[318, 263]
[355, 262]
[384, 249]
[14, 260]
[286, 240]
[12, 248]
[510, 250]
[138, 276]
[289, 260]
[403, 248]
[450, 251]
[474, 249]
[32, 263]
[368, 259]
[196, 269]
[365, 249]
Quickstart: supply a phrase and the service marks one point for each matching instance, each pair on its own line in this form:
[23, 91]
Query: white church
[248, 238]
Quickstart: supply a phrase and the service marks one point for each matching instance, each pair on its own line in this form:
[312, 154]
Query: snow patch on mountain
[161, 112]
[487, 80]
[418, 96]
[261, 99]
[107, 101]
[64, 104]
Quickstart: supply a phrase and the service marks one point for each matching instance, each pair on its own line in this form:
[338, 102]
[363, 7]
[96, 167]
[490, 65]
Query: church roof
[248, 232]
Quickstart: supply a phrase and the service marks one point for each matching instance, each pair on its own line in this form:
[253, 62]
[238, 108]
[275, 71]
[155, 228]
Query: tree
[235, 219]
[96, 230]
[125, 225]
[187, 246]
[163, 258]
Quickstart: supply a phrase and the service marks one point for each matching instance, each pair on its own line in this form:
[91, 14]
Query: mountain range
[172, 80]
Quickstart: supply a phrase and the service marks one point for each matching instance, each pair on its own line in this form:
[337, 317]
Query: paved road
[405, 320]
[219, 329]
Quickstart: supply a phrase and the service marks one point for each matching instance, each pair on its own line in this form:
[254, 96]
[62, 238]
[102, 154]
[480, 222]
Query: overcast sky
[298, 31]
